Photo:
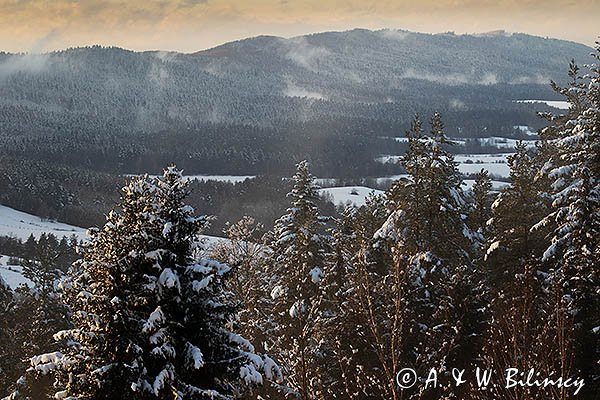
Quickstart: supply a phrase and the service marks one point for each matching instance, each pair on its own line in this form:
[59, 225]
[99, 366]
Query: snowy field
[11, 274]
[388, 159]
[21, 225]
[218, 178]
[562, 105]
[504, 143]
[501, 143]
[390, 178]
[496, 185]
[525, 129]
[456, 141]
[355, 195]
[495, 164]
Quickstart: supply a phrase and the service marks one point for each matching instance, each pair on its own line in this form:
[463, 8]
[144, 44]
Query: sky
[192, 25]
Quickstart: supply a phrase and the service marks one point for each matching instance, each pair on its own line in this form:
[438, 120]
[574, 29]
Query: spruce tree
[247, 254]
[353, 369]
[39, 312]
[190, 350]
[299, 254]
[151, 321]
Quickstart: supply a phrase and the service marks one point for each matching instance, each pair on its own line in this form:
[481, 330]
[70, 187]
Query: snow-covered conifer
[298, 262]
[430, 288]
[574, 171]
[150, 320]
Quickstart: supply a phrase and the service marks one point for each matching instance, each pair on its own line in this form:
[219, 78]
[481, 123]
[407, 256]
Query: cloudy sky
[191, 25]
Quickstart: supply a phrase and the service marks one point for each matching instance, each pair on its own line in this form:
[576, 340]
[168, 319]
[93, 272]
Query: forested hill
[266, 101]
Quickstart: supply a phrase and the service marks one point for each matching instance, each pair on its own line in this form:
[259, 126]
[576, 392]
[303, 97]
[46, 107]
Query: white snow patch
[496, 185]
[316, 274]
[562, 105]
[495, 164]
[354, 195]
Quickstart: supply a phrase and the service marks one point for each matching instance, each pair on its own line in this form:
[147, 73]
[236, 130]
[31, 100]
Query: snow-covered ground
[218, 178]
[481, 158]
[504, 143]
[495, 164]
[21, 225]
[496, 185]
[403, 139]
[562, 105]
[11, 274]
[349, 194]
[388, 179]
[388, 159]
[498, 142]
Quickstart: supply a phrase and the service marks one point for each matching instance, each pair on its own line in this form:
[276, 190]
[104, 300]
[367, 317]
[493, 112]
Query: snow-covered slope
[21, 225]
[12, 273]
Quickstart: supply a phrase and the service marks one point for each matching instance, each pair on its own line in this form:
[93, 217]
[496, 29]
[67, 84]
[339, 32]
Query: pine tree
[299, 255]
[432, 292]
[353, 369]
[520, 292]
[574, 169]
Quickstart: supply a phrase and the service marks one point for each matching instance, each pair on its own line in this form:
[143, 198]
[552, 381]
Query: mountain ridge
[267, 100]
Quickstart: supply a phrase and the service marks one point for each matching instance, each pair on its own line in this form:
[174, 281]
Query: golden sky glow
[191, 25]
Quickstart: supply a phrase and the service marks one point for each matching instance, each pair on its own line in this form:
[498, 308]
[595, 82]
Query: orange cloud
[191, 25]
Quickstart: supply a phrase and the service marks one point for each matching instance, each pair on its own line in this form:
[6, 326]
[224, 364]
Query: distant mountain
[383, 66]
[266, 92]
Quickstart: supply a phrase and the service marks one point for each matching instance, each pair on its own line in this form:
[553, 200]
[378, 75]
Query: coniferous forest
[411, 296]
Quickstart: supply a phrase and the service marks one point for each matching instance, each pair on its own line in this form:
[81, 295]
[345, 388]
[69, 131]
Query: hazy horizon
[193, 25]
[37, 51]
